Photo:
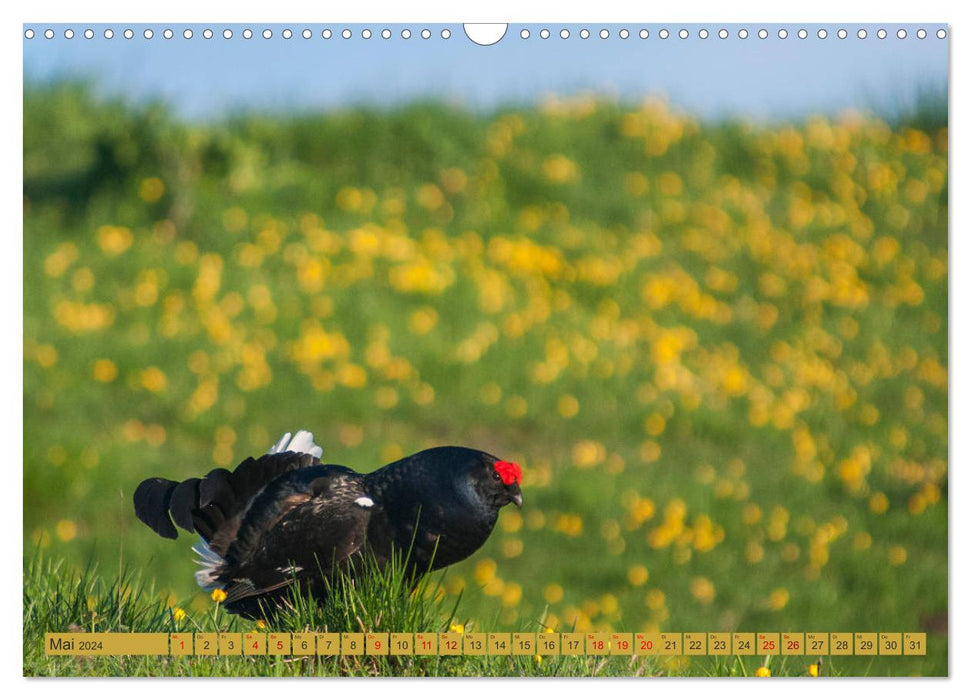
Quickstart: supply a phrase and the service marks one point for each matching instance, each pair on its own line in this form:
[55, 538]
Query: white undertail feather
[302, 442]
[209, 561]
[364, 502]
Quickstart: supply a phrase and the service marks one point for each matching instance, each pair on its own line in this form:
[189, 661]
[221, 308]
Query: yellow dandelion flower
[553, 593]
[57, 263]
[114, 240]
[559, 169]
[153, 379]
[422, 320]
[568, 406]
[457, 628]
[260, 625]
[66, 530]
[588, 453]
[512, 548]
[879, 503]
[751, 514]
[637, 575]
[352, 375]
[654, 599]
[104, 370]
[538, 659]
[778, 599]
[178, 614]
[650, 451]
[218, 595]
[897, 555]
[754, 552]
[703, 590]
[763, 672]
[814, 670]
[654, 424]
[386, 397]
[516, 406]
[391, 452]
[512, 594]
[430, 197]
[151, 190]
[484, 571]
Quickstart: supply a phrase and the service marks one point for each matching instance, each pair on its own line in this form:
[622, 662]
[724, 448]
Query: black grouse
[285, 518]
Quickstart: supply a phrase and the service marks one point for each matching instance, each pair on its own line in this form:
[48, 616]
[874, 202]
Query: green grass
[369, 600]
[719, 350]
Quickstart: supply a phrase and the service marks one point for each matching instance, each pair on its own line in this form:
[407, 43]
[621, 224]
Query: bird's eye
[495, 475]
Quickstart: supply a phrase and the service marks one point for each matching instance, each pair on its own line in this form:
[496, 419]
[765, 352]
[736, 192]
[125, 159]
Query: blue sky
[713, 77]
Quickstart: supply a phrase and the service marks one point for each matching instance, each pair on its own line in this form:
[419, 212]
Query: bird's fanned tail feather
[210, 505]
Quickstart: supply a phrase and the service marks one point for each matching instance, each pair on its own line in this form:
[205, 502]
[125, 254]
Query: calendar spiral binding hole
[525, 33]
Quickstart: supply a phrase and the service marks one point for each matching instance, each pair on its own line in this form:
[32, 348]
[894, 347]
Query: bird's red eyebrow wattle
[509, 472]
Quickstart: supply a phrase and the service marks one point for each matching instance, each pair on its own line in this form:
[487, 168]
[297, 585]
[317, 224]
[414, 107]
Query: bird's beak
[517, 497]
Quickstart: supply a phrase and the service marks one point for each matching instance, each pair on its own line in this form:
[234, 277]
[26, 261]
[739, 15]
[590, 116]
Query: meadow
[719, 351]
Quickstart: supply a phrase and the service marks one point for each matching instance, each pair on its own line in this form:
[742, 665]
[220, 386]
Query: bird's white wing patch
[278, 447]
[364, 502]
[302, 442]
[210, 561]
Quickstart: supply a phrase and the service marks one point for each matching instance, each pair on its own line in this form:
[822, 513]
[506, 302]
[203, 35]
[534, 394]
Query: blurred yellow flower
[114, 240]
[763, 672]
[654, 599]
[422, 320]
[897, 555]
[568, 406]
[879, 503]
[46, 356]
[588, 454]
[637, 575]
[82, 318]
[703, 590]
[484, 571]
[553, 593]
[178, 614]
[66, 530]
[559, 169]
[153, 379]
[64, 255]
[778, 599]
[151, 189]
[218, 595]
[654, 424]
[104, 370]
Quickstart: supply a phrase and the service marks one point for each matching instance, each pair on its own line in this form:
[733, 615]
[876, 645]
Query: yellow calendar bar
[275, 644]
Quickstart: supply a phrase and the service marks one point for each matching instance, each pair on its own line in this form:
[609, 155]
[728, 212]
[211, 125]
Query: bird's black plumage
[285, 517]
